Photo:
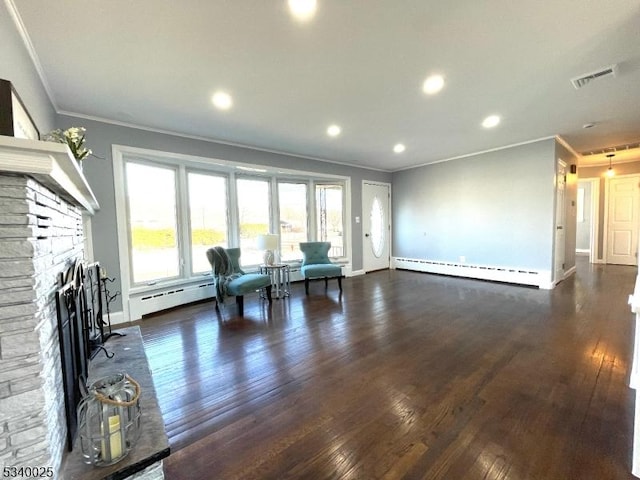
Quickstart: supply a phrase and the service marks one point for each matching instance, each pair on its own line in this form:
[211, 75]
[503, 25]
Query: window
[207, 217]
[330, 217]
[253, 217]
[152, 224]
[292, 204]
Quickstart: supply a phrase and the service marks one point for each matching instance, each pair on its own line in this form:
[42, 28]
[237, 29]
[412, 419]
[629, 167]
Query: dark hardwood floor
[404, 376]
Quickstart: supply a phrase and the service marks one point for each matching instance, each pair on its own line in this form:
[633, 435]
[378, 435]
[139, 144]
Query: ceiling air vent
[581, 81]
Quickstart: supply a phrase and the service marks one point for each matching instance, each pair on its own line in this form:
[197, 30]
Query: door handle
[559, 227]
[366, 234]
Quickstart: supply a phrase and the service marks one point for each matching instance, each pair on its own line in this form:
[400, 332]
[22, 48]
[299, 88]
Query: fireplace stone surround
[40, 236]
[43, 196]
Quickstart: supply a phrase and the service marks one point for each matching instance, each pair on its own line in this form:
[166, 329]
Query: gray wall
[495, 208]
[17, 67]
[99, 172]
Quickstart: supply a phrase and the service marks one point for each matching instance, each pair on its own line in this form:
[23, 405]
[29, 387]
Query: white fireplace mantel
[52, 164]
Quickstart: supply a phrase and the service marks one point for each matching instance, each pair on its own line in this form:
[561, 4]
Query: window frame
[129, 233]
[188, 222]
[277, 217]
[236, 206]
[345, 217]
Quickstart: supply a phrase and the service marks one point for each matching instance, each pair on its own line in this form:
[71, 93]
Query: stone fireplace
[42, 198]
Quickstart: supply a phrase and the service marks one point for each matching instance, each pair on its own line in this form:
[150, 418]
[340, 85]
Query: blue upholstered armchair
[316, 264]
[231, 280]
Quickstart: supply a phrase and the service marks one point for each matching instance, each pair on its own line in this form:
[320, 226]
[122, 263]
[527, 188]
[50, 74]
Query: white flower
[73, 137]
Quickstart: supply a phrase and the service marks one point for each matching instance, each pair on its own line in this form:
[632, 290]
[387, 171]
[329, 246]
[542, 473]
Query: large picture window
[172, 208]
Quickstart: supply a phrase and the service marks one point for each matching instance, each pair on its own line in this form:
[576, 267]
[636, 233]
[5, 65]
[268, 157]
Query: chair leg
[217, 307]
[340, 283]
[240, 303]
[326, 283]
[306, 286]
[268, 289]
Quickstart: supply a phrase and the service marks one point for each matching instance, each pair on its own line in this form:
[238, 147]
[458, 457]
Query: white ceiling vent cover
[581, 81]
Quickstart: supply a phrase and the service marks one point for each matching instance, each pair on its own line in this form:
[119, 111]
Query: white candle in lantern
[115, 439]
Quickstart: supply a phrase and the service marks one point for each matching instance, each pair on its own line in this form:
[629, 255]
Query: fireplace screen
[81, 330]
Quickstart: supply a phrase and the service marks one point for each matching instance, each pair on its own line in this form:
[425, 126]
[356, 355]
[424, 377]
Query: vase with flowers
[74, 138]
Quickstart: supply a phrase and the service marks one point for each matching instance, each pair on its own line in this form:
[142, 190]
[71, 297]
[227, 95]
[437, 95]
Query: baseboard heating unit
[539, 278]
[149, 302]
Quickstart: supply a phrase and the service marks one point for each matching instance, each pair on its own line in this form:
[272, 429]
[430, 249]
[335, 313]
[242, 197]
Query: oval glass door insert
[377, 227]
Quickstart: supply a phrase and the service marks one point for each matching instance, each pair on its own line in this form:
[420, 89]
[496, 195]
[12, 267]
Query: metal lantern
[109, 419]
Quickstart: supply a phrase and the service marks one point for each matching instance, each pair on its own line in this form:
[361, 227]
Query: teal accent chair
[316, 264]
[231, 280]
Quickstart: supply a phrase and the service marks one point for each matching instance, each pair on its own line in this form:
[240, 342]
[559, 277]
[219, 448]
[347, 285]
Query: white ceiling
[357, 63]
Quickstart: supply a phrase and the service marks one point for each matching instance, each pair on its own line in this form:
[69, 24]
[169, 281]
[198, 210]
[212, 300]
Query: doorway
[376, 226]
[587, 219]
[621, 220]
[561, 183]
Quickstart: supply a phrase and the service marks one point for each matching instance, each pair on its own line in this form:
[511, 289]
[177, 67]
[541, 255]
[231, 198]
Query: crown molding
[480, 152]
[214, 140]
[22, 30]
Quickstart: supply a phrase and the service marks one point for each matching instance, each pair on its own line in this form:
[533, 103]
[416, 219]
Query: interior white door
[376, 226]
[622, 220]
[561, 182]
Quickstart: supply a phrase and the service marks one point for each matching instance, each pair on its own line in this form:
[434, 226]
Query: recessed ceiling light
[433, 84]
[491, 121]
[222, 100]
[589, 125]
[302, 9]
[333, 130]
[399, 148]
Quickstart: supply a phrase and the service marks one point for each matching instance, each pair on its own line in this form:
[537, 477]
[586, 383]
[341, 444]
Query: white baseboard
[355, 273]
[522, 276]
[550, 285]
[565, 275]
[569, 272]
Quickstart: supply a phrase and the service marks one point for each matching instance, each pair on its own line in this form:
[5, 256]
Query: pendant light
[610, 172]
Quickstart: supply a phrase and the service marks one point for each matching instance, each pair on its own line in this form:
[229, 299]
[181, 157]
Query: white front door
[561, 182]
[376, 226]
[622, 220]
